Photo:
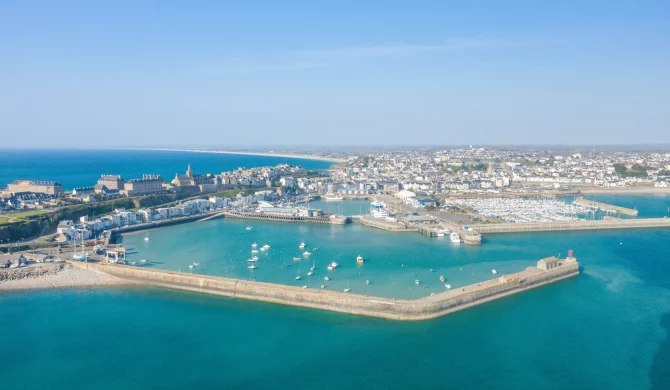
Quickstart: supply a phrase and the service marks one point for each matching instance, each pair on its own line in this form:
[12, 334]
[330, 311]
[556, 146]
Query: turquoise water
[605, 329]
[83, 167]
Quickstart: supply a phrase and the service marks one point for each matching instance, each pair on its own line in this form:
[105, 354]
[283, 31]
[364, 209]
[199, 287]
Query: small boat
[326, 278]
[147, 238]
[313, 267]
[143, 261]
[333, 265]
[315, 249]
[310, 273]
[254, 245]
[196, 264]
[135, 263]
[296, 259]
[250, 228]
[347, 289]
[253, 260]
[448, 286]
[255, 257]
[252, 266]
[254, 251]
[323, 286]
[417, 281]
[266, 246]
[190, 266]
[302, 245]
[455, 238]
[432, 270]
[367, 282]
[306, 254]
[262, 249]
[494, 271]
[298, 277]
[442, 279]
[359, 260]
[304, 287]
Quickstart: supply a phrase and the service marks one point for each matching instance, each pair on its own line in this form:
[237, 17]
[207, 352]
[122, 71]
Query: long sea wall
[601, 224]
[420, 309]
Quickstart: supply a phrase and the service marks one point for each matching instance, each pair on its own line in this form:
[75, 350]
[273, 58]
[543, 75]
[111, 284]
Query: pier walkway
[606, 207]
[419, 309]
[572, 225]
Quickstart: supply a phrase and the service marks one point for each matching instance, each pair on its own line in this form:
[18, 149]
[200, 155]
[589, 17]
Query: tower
[189, 172]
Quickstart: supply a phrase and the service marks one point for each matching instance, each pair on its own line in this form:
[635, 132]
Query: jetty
[325, 219]
[547, 271]
[606, 207]
[610, 223]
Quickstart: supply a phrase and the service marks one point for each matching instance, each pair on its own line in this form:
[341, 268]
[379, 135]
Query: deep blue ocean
[608, 328]
[82, 167]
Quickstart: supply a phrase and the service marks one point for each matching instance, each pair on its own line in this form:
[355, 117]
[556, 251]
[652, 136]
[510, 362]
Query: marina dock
[606, 207]
[572, 225]
[326, 219]
[548, 271]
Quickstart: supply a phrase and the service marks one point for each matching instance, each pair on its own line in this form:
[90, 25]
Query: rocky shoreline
[53, 275]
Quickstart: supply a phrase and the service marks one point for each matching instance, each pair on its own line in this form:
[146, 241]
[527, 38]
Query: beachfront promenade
[518, 227]
[420, 309]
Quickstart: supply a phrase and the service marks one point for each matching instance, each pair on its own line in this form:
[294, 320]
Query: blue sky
[223, 73]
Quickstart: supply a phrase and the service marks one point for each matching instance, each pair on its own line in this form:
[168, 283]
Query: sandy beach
[250, 153]
[47, 276]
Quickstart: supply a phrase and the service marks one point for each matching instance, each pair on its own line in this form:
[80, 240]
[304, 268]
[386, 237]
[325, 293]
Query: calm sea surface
[605, 329]
[82, 167]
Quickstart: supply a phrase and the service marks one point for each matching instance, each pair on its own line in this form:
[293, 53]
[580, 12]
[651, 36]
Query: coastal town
[443, 189]
[459, 194]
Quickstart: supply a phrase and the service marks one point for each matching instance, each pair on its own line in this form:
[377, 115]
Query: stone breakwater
[53, 275]
[36, 271]
[419, 309]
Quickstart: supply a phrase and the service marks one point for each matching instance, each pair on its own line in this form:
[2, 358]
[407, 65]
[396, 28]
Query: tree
[620, 168]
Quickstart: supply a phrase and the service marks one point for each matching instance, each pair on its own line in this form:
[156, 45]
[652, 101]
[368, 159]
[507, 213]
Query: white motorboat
[333, 265]
[190, 266]
[298, 277]
[262, 249]
[326, 278]
[302, 245]
[252, 266]
[448, 286]
[417, 281]
[347, 289]
[455, 238]
[494, 271]
[147, 239]
[253, 260]
[359, 260]
[296, 259]
[255, 257]
[306, 254]
[254, 251]
[254, 245]
[196, 264]
[266, 246]
[143, 261]
[250, 228]
[367, 282]
[310, 273]
[442, 279]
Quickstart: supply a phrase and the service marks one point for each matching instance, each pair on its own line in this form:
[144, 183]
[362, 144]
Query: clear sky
[197, 73]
